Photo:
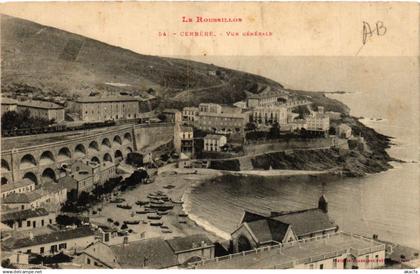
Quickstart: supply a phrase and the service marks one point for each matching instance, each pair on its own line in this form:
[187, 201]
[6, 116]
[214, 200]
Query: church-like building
[256, 230]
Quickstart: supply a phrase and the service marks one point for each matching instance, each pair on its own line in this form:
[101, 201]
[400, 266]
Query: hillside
[55, 62]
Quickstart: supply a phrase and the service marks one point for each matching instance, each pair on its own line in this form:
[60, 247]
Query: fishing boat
[167, 231]
[141, 203]
[161, 213]
[182, 222]
[177, 202]
[164, 227]
[142, 212]
[183, 215]
[162, 207]
[124, 206]
[156, 202]
[169, 186]
[134, 222]
[117, 200]
[154, 217]
[156, 223]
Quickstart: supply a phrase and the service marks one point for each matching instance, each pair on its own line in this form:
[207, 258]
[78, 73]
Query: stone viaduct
[42, 162]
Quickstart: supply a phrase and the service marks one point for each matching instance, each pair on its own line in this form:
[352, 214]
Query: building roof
[214, 137]
[182, 244]
[39, 104]
[11, 186]
[56, 236]
[306, 221]
[170, 110]
[51, 187]
[68, 182]
[296, 252]
[24, 214]
[148, 253]
[103, 253]
[302, 222]
[21, 198]
[185, 128]
[97, 99]
[8, 101]
[267, 230]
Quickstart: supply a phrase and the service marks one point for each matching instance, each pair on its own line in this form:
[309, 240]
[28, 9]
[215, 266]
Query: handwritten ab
[378, 29]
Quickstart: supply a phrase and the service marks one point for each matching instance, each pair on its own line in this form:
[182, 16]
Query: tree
[274, 131]
[250, 126]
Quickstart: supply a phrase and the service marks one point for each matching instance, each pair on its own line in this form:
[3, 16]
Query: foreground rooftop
[294, 253]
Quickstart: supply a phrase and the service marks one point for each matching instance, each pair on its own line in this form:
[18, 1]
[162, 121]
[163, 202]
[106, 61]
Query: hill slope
[53, 61]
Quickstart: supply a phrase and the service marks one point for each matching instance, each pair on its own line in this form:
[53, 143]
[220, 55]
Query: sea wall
[286, 144]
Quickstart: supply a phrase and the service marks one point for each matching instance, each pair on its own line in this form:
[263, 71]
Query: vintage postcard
[210, 135]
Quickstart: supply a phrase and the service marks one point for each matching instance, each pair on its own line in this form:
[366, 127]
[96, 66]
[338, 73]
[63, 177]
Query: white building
[318, 121]
[22, 186]
[42, 109]
[97, 109]
[343, 131]
[210, 108]
[189, 114]
[7, 105]
[269, 115]
[214, 142]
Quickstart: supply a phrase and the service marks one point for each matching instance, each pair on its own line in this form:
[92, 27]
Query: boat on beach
[156, 223]
[133, 222]
[177, 202]
[126, 206]
[154, 217]
[183, 215]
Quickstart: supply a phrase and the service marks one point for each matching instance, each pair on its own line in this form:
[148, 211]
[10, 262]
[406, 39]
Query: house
[214, 142]
[343, 131]
[152, 253]
[22, 186]
[8, 104]
[184, 140]
[172, 115]
[28, 219]
[189, 114]
[192, 248]
[22, 201]
[256, 230]
[53, 242]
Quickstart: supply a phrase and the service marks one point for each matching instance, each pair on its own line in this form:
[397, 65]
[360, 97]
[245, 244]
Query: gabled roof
[306, 221]
[23, 215]
[181, 244]
[148, 253]
[97, 99]
[266, 230]
[214, 137]
[56, 236]
[39, 104]
[21, 198]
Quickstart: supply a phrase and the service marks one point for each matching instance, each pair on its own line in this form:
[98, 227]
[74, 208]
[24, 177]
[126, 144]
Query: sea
[384, 93]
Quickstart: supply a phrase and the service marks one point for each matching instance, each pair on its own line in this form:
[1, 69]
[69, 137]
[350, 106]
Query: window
[19, 223]
[50, 221]
[87, 260]
[62, 246]
[334, 263]
[34, 224]
[321, 266]
[28, 251]
[28, 223]
[41, 250]
[54, 249]
[42, 222]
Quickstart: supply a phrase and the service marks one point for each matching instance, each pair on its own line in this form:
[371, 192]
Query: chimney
[323, 204]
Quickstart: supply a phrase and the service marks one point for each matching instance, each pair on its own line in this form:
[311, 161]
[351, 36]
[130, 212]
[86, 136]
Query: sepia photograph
[210, 135]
